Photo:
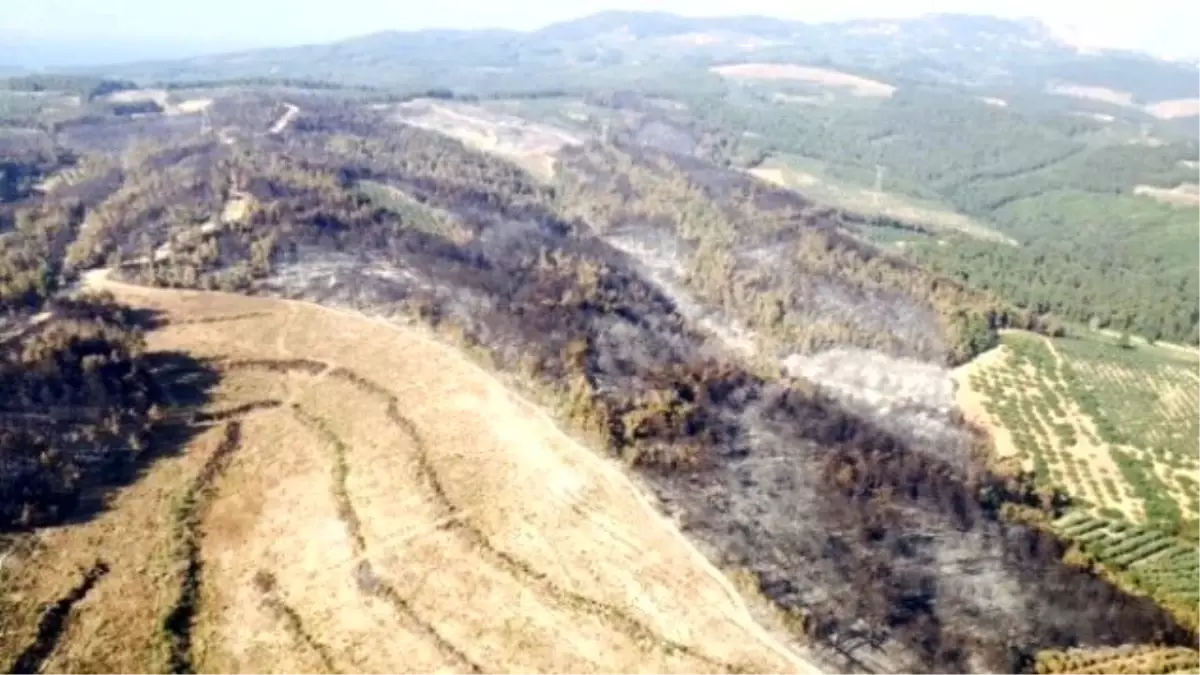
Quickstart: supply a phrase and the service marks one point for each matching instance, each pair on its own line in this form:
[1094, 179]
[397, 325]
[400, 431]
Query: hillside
[231, 555]
[738, 294]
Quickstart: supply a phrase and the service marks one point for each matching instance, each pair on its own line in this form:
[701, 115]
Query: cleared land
[874, 204]
[529, 144]
[1184, 107]
[164, 99]
[859, 86]
[1102, 94]
[1180, 195]
[365, 499]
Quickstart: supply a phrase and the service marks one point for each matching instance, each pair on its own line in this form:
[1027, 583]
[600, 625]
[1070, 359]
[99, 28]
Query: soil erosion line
[189, 513]
[54, 622]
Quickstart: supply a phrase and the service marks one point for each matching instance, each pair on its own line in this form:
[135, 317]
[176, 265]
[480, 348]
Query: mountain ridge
[943, 48]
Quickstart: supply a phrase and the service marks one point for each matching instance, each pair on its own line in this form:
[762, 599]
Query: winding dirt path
[282, 123]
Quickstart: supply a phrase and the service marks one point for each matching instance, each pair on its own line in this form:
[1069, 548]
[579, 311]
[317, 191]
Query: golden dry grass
[397, 510]
[859, 86]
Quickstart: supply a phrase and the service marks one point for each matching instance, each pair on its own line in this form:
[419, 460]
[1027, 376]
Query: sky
[1170, 27]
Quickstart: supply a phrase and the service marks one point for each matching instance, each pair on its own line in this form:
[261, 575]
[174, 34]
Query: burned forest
[649, 295]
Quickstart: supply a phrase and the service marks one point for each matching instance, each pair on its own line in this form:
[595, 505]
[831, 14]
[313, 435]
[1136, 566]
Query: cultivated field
[859, 86]
[1023, 390]
[1116, 429]
[364, 499]
[1119, 660]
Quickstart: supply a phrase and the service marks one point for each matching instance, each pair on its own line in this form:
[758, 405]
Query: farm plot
[1119, 660]
[1115, 428]
[1138, 397]
[1026, 393]
[1153, 560]
[1144, 404]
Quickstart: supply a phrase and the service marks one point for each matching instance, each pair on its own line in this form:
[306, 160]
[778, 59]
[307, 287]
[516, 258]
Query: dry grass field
[366, 499]
[859, 86]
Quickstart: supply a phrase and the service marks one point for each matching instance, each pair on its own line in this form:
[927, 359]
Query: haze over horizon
[42, 34]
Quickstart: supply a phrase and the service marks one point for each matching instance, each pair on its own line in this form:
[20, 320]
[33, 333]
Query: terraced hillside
[362, 499]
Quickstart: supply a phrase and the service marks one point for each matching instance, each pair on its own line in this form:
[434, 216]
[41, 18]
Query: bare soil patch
[860, 86]
[285, 119]
[192, 106]
[529, 144]
[1167, 110]
[1181, 195]
[1103, 94]
[971, 401]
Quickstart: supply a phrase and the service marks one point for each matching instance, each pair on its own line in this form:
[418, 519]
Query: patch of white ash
[912, 399]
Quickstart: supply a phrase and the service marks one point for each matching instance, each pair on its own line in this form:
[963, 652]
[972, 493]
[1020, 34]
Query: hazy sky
[1171, 26]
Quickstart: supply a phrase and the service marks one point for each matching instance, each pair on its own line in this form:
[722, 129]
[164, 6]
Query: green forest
[1089, 247]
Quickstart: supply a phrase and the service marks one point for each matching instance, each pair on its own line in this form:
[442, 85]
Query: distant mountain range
[945, 49]
[24, 53]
